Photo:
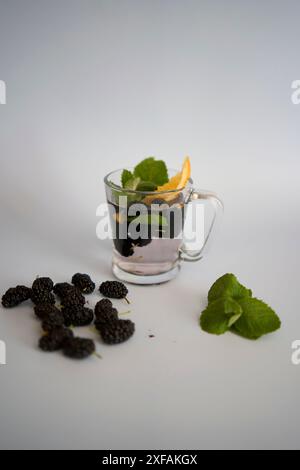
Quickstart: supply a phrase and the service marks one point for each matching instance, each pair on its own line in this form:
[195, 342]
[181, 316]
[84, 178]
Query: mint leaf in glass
[126, 176]
[132, 183]
[258, 319]
[152, 170]
[220, 315]
[228, 286]
[146, 186]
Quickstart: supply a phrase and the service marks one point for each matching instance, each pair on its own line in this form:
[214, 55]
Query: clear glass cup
[148, 229]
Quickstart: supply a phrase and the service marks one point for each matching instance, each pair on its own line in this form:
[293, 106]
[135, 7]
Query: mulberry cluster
[79, 348]
[55, 339]
[117, 331]
[113, 289]
[105, 313]
[84, 283]
[56, 321]
[15, 296]
[77, 315]
[126, 246]
[112, 329]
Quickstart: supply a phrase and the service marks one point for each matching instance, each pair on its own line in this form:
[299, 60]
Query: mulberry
[43, 310]
[142, 241]
[117, 332]
[61, 289]
[15, 296]
[79, 348]
[42, 297]
[53, 320]
[84, 283]
[77, 316]
[73, 297]
[103, 317]
[114, 290]
[55, 339]
[42, 285]
[103, 304]
[124, 247]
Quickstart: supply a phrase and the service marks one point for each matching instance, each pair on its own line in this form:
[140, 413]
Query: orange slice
[180, 179]
[176, 182]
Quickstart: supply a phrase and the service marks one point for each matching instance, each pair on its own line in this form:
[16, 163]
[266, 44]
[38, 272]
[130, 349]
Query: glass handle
[188, 254]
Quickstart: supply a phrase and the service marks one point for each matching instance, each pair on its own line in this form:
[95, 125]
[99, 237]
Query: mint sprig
[231, 307]
[152, 173]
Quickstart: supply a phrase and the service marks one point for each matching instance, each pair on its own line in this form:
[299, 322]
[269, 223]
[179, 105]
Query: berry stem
[97, 355]
[127, 300]
[125, 313]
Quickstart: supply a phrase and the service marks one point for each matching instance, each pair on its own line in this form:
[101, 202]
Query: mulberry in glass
[148, 229]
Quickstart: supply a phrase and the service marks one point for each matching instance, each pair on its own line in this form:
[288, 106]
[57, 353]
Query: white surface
[94, 86]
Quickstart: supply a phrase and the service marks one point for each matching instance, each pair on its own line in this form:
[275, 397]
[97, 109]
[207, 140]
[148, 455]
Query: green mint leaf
[126, 176]
[146, 186]
[152, 170]
[258, 319]
[228, 286]
[132, 184]
[233, 319]
[220, 315]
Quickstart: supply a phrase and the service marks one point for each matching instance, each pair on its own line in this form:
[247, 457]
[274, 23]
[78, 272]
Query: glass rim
[115, 187]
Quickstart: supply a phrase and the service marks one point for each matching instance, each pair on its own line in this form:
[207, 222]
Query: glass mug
[148, 229]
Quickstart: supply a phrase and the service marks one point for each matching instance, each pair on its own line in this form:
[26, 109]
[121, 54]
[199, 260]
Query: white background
[97, 85]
